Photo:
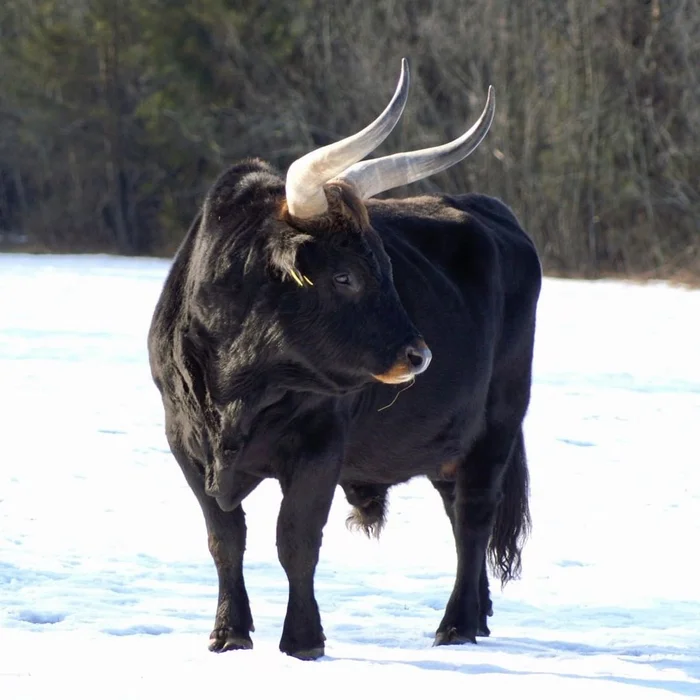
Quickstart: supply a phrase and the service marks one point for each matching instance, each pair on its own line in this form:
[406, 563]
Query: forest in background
[116, 115]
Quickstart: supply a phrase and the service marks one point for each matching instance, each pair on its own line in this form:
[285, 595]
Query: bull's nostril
[415, 359]
[418, 357]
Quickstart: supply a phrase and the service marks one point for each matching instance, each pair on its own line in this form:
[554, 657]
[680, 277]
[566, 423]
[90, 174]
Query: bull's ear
[283, 251]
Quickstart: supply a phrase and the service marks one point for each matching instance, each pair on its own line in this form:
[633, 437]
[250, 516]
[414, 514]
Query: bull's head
[305, 284]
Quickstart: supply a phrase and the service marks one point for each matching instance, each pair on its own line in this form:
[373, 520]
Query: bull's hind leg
[226, 536]
[485, 603]
[494, 469]
[446, 489]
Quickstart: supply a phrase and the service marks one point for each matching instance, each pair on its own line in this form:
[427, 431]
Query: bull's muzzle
[413, 359]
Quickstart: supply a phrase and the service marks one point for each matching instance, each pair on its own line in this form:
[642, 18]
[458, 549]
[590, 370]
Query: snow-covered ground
[107, 588]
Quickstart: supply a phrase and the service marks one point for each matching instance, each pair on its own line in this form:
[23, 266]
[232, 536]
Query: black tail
[512, 525]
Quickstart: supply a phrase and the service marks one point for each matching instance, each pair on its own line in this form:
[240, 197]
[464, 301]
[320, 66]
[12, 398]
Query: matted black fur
[266, 345]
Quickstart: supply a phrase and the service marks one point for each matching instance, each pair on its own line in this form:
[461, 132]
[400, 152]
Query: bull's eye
[346, 282]
[343, 279]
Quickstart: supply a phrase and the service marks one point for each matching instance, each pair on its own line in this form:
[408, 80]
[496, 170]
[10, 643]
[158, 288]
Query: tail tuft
[512, 525]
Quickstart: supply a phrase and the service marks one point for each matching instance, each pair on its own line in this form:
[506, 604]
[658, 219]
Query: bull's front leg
[226, 535]
[308, 484]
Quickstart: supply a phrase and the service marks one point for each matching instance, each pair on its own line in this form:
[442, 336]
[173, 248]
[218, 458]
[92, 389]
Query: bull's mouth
[396, 375]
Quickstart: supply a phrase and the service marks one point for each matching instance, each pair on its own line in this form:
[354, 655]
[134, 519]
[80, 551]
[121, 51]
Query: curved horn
[307, 175]
[371, 177]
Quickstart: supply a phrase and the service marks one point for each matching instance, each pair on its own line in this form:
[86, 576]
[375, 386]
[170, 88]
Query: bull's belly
[390, 449]
[367, 467]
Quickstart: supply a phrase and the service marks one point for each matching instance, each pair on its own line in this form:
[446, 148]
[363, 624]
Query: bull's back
[461, 267]
[464, 267]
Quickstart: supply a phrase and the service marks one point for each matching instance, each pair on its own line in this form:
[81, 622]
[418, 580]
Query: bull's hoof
[315, 650]
[452, 636]
[226, 639]
[308, 654]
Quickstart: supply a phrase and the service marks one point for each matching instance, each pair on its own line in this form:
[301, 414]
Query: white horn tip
[405, 75]
[490, 107]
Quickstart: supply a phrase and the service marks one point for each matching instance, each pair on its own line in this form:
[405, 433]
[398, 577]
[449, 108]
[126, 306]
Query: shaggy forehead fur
[346, 215]
[246, 211]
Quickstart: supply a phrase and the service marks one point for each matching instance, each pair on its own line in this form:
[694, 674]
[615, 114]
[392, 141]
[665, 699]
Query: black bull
[276, 342]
